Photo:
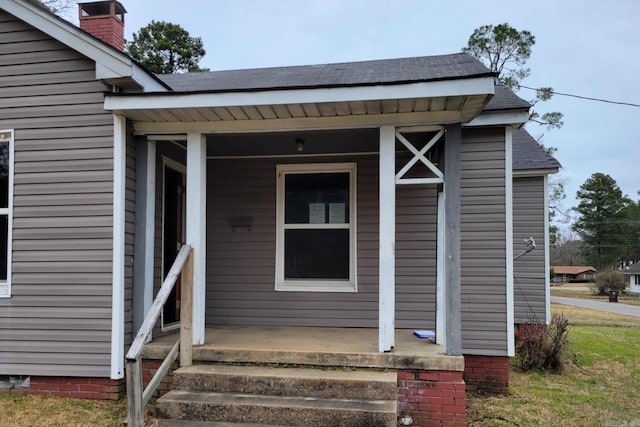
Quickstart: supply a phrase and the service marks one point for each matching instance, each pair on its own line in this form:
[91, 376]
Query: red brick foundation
[432, 398]
[487, 373]
[149, 368]
[523, 330]
[78, 387]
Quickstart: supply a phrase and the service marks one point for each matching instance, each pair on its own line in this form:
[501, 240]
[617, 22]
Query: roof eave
[524, 173]
[512, 117]
[112, 66]
[339, 93]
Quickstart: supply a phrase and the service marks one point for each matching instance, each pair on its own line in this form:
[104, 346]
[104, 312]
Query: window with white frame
[6, 205]
[316, 230]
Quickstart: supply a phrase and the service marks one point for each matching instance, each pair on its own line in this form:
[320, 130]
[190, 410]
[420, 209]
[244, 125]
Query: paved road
[612, 307]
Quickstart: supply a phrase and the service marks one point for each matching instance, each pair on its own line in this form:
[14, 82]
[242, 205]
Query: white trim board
[7, 136]
[168, 162]
[500, 118]
[461, 87]
[508, 154]
[547, 256]
[118, 281]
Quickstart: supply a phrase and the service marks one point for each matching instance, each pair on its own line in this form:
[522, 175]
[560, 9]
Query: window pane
[4, 174]
[316, 254]
[3, 246]
[317, 198]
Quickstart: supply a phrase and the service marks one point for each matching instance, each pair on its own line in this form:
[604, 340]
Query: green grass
[41, 411]
[599, 388]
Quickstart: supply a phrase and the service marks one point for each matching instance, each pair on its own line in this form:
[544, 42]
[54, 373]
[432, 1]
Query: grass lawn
[599, 389]
[40, 411]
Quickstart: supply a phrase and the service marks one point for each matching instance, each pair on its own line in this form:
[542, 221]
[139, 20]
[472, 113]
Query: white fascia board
[464, 87]
[512, 118]
[148, 83]
[534, 172]
[110, 63]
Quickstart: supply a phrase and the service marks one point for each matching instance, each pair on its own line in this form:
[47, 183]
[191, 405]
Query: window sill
[316, 286]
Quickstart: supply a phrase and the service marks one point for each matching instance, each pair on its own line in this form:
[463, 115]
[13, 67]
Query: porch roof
[406, 91]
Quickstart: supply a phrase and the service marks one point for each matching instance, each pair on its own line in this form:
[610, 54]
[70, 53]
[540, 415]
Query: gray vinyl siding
[482, 243]
[241, 264]
[530, 270]
[58, 319]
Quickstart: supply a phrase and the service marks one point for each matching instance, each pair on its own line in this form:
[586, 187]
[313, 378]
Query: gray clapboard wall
[483, 240]
[58, 320]
[241, 264]
[529, 271]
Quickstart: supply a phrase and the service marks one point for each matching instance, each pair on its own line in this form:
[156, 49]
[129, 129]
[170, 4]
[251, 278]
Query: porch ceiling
[326, 108]
[465, 106]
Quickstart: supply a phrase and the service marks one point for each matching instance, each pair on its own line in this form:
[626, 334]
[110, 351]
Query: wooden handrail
[154, 312]
[137, 398]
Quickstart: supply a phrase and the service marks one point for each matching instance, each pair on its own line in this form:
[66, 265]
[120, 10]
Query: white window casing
[7, 139]
[316, 284]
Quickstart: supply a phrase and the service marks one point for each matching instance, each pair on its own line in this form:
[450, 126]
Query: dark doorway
[172, 236]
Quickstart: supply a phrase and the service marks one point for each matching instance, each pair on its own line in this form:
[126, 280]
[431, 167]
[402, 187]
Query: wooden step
[300, 382]
[282, 410]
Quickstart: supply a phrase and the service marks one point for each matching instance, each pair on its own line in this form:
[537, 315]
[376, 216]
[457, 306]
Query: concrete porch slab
[347, 347]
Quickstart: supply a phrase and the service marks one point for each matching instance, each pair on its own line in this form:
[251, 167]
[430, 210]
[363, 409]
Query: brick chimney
[105, 20]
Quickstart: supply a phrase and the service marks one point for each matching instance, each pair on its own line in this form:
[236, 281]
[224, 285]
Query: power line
[630, 104]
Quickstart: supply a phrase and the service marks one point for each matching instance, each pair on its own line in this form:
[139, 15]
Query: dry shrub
[609, 281]
[544, 348]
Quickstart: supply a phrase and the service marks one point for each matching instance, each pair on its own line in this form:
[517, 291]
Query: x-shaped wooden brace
[419, 156]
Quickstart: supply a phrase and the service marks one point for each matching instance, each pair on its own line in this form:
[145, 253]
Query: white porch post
[196, 227]
[441, 312]
[452, 278]
[149, 234]
[117, 304]
[387, 222]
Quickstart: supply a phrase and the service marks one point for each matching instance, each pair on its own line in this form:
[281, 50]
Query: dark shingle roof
[634, 269]
[528, 154]
[364, 73]
[505, 99]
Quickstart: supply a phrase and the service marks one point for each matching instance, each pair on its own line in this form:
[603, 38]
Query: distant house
[633, 276]
[568, 273]
[311, 196]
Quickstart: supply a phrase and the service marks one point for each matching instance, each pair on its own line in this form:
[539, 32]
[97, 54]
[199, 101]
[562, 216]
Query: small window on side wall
[316, 239]
[6, 208]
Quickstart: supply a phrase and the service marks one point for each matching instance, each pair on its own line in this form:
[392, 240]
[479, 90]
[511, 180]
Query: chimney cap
[101, 8]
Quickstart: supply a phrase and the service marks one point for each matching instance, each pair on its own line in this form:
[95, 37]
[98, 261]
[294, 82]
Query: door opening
[173, 225]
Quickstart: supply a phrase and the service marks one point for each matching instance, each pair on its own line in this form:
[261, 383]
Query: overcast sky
[583, 47]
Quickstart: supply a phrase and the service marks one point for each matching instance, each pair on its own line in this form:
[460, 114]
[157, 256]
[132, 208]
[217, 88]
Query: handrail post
[136, 398]
[135, 408]
[186, 313]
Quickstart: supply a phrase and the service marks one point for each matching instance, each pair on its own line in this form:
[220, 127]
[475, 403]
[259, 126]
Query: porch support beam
[387, 224]
[196, 227]
[143, 257]
[452, 293]
[296, 124]
[118, 274]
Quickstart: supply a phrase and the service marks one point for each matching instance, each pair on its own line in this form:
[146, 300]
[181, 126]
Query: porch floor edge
[346, 347]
